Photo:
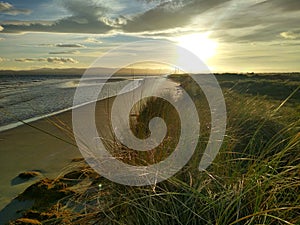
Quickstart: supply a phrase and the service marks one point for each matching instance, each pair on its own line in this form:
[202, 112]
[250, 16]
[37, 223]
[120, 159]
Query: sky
[228, 35]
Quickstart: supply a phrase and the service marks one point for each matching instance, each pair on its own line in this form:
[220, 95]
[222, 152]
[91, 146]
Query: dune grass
[255, 178]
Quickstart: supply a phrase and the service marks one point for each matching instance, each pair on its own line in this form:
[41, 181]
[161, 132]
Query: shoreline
[13, 125]
[27, 148]
[30, 149]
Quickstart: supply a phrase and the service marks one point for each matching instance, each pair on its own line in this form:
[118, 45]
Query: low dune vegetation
[255, 178]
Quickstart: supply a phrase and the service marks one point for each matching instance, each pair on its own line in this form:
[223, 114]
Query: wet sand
[25, 148]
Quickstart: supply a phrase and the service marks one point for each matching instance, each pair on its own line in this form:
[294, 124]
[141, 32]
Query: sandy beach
[27, 148]
[48, 145]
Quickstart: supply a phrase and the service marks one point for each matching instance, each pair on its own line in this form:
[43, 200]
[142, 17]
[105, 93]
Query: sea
[26, 98]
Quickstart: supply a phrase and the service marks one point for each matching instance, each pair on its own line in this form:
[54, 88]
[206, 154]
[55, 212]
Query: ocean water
[27, 98]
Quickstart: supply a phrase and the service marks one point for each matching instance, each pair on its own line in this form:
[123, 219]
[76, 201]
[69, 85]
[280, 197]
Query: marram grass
[255, 178]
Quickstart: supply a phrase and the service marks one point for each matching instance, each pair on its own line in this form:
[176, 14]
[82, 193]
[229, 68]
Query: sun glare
[199, 44]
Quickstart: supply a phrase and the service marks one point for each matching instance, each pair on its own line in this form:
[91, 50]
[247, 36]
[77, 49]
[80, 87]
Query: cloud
[155, 1]
[3, 60]
[7, 8]
[226, 20]
[286, 5]
[92, 40]
[31, 60]
[272, 20]
[170, 14]
[64, 45]
[61, 60]
[290, 35]
[94, 17]
[66, 25]
[64, 52]
[84, 19]
[45, 45]
[114, 22]
[58, 60]
[27, 23]
[69, 45]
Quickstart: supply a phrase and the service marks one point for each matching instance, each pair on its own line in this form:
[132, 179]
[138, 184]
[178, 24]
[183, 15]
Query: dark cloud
[58, 60]
[70, 45]
[229, 21]
[84, 19]
[156, 1]
[226, 20]
[7, 8]
[67, 25]
[285, 5]
[171, 14]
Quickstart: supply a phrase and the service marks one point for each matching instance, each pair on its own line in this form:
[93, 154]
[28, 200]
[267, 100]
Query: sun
[199, 44]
